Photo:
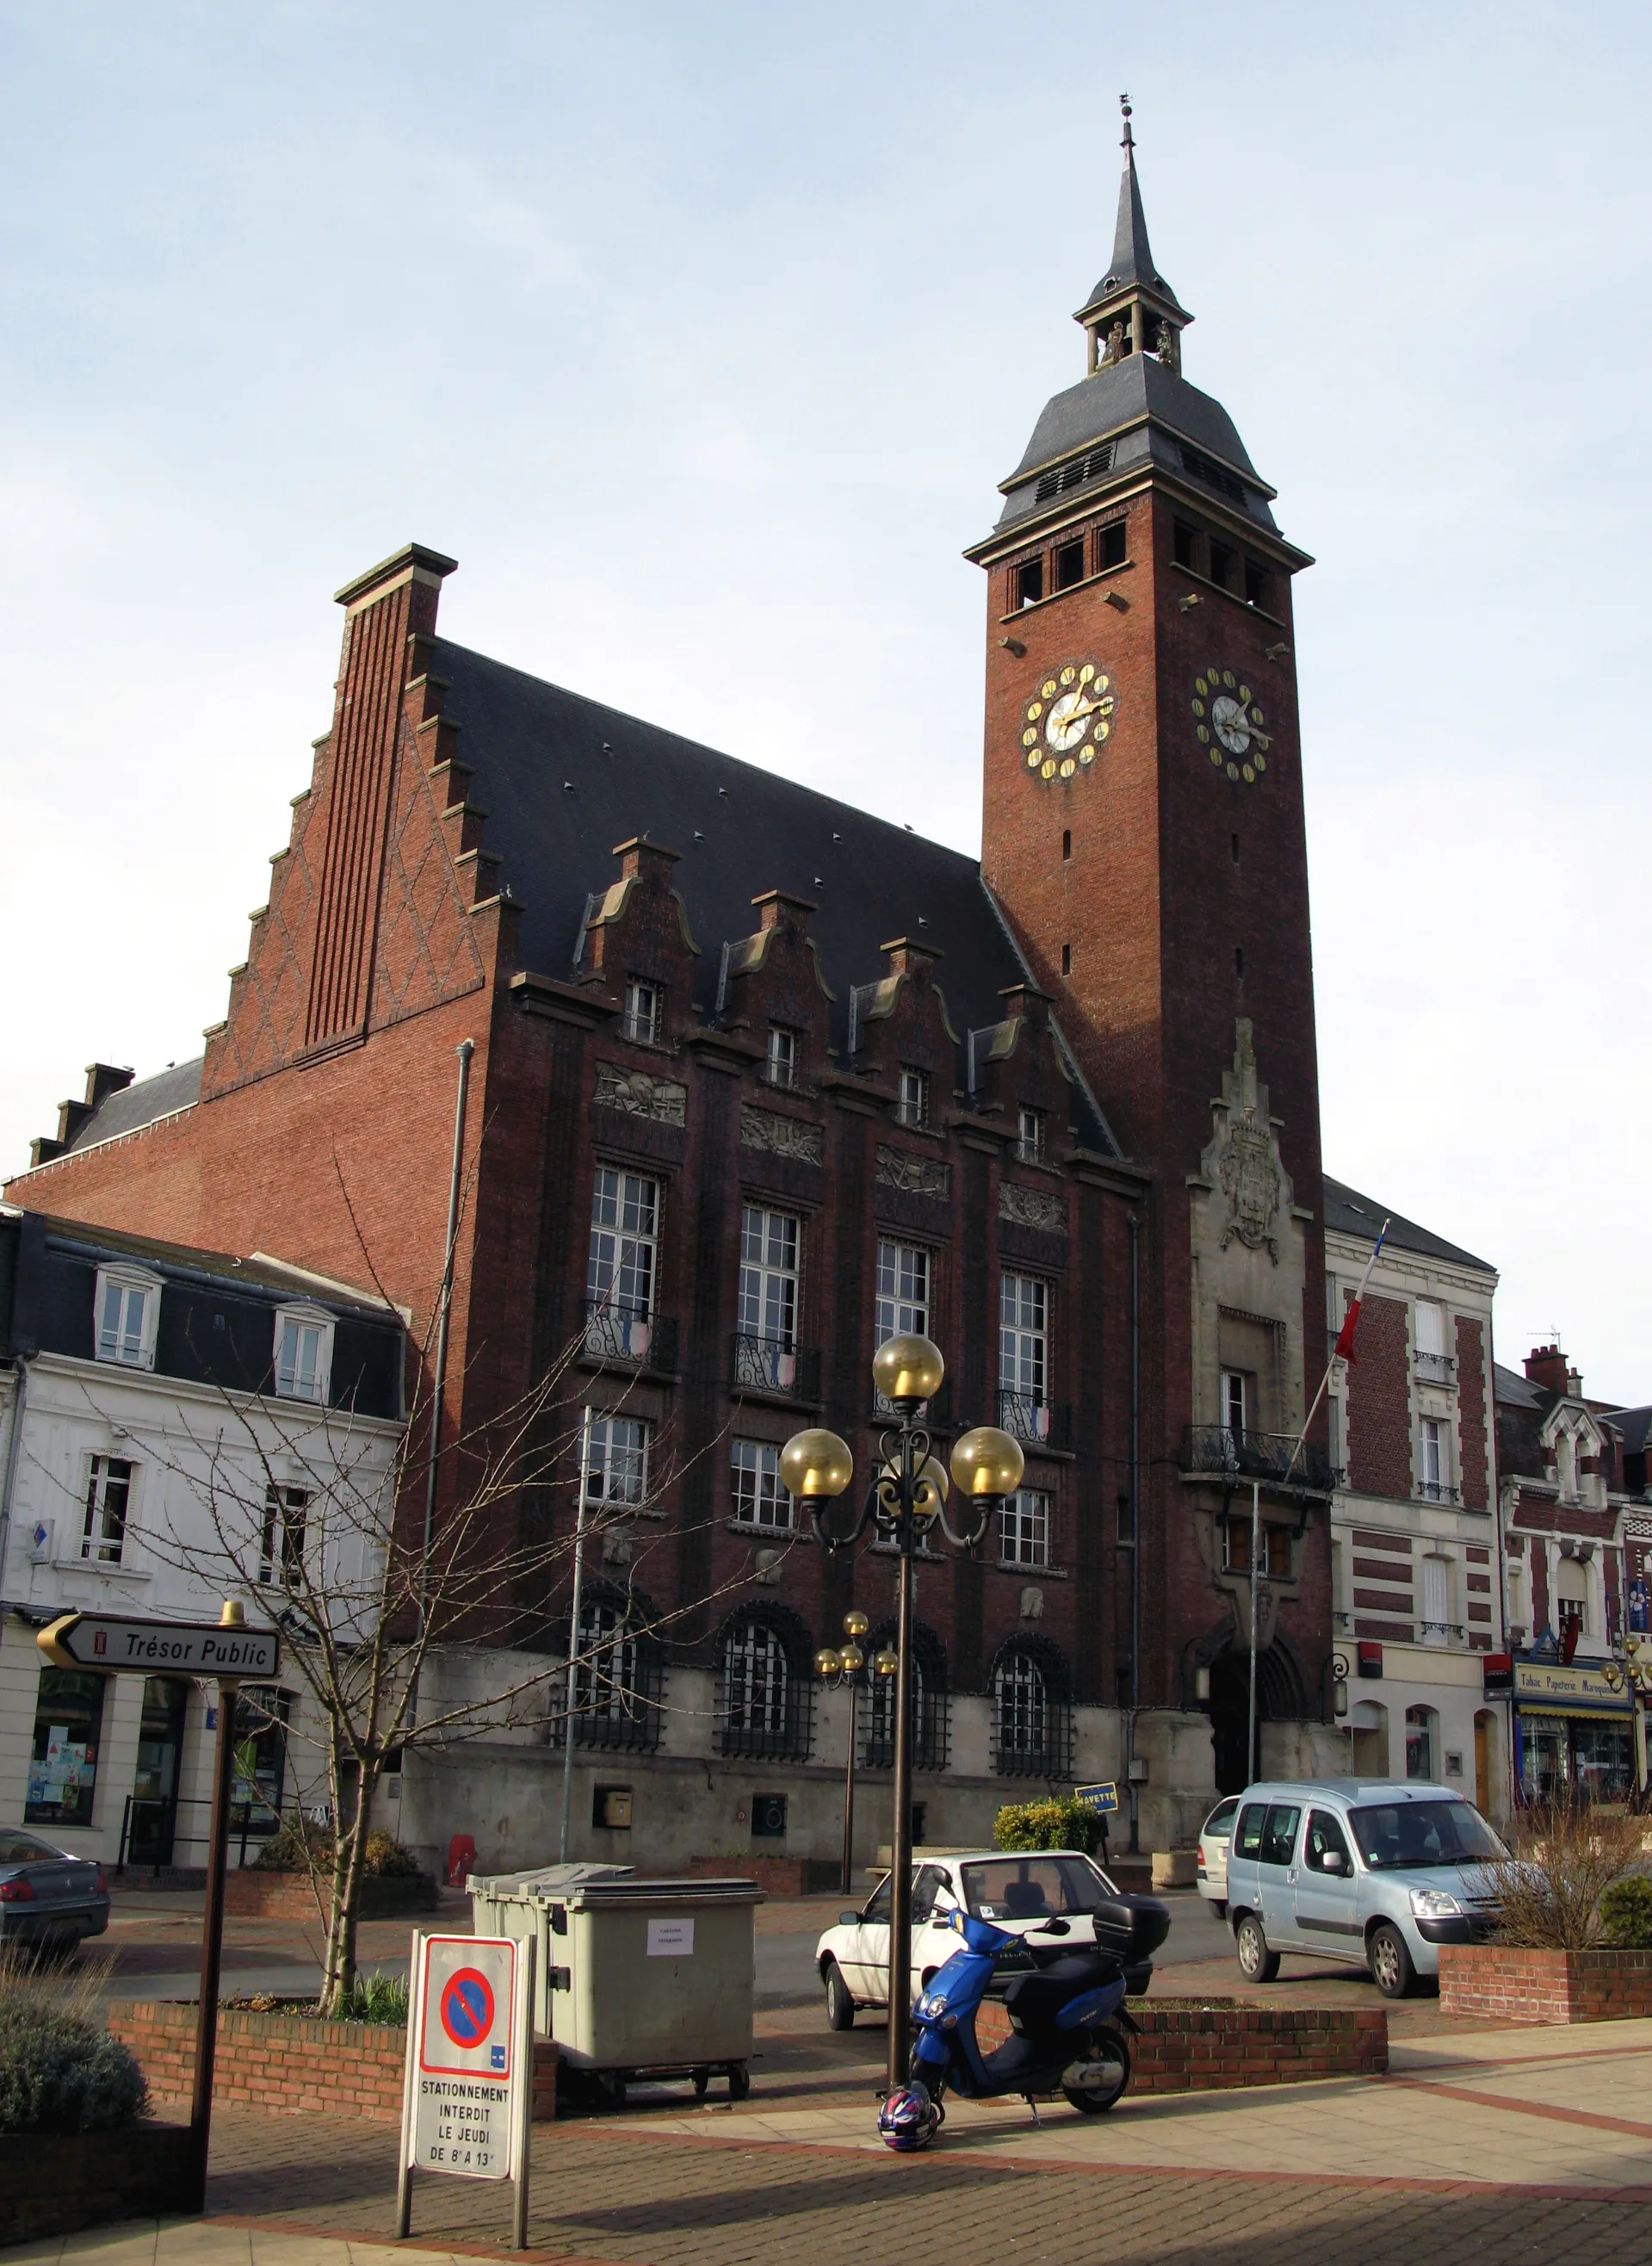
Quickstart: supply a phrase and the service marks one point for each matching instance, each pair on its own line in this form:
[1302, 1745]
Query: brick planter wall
[776, 1876]
[1514, 1985]
[249, 1893]
[289, 2064]
[54, 2182]
[1199, 2048]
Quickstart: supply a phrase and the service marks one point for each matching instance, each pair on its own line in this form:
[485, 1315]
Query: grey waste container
[641, 1977]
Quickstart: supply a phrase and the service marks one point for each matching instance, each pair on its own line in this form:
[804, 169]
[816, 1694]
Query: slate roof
[1132, 260]
[1347, 1212]
[142, 1103]
[1634, 1424]
[1517, 1392]
[257, 1273]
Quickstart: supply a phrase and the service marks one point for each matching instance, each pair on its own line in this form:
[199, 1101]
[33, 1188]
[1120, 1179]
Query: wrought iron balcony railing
[771, 1365]
[1436, 1369]
[1226, 1451]
[1042, 1423]
[624, 1334]
[1437, 1491]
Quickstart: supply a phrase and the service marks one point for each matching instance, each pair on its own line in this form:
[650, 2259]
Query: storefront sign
[1496, 1670]
[110, 1641]
[1556, 1687]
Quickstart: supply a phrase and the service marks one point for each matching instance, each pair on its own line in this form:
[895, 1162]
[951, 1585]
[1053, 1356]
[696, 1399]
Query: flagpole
[1251, 1760]
[1346, 1331]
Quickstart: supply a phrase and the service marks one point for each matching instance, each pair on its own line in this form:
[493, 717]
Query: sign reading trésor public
[115, 1641]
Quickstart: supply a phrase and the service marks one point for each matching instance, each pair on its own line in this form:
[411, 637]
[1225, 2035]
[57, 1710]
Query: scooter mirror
[1057, 1927]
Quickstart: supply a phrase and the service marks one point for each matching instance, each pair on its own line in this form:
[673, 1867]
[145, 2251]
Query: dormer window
[779, 1065]
[128, 1311]
[303, 1354]
[913, 1106]
[1030, 1128]
[644, 1018]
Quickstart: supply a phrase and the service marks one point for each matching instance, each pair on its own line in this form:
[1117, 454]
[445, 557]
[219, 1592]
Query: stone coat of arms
[1243, 1158]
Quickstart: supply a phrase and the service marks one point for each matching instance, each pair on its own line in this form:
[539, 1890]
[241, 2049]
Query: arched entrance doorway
[1278, 1698]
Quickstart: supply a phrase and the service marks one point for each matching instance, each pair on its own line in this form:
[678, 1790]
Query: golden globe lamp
[815, 1464]
[987, 1464]
[908, 1370]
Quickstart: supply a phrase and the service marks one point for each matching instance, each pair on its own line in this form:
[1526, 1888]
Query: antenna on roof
[1129, 143]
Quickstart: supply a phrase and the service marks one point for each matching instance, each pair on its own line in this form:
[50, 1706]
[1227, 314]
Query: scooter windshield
[980, 1935]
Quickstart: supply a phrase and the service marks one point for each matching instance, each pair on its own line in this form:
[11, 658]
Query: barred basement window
[931, 1704]
[1032, 1713]
[617, 1678]
[766, 1691]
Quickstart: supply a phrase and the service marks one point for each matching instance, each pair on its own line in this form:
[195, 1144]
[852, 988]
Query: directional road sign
[120, 1641]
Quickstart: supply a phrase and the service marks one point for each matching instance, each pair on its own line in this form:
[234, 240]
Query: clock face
[1068, 721]
[1228, 724]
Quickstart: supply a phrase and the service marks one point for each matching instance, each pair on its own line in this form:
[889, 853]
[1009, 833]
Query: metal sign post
[467, 2086]
[228, 1649]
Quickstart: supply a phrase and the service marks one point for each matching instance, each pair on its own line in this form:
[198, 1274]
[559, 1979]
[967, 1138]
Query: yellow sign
[1537, 1681]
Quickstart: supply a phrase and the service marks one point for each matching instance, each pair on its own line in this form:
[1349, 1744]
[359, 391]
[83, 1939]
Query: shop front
[1573, 1734]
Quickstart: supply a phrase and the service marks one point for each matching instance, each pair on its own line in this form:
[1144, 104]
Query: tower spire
[1132, 310]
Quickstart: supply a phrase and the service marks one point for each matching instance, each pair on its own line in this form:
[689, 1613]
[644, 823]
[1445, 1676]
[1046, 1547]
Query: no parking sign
[468, 2096]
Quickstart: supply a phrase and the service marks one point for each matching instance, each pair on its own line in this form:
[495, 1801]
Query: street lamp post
[906, 1505]
[848, 1665]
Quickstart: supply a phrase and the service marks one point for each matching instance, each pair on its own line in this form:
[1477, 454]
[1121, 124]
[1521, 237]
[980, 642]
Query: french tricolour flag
[1343, 1349]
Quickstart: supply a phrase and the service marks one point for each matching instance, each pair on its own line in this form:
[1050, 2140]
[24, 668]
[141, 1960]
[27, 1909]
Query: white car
[1018, 1891]
[1214, 1837]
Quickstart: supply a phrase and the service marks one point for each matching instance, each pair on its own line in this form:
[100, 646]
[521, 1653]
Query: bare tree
[336, 1559]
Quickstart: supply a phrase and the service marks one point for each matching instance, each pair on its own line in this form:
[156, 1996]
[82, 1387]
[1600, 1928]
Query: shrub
[1567, 1856]
[388, 1858]
[376, 1998]
[302, 1847]
[1059, 1822]
[1626, 1913]
[59, 2071]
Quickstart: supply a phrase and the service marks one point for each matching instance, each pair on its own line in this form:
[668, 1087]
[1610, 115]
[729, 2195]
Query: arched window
[1422, 1730]
[1032, 1713]
[931, 1704]
[766, 1688]
[618, 1676]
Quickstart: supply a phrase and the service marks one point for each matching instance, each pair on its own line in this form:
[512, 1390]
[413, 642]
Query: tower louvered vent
[1075, 474]
[1213, 475]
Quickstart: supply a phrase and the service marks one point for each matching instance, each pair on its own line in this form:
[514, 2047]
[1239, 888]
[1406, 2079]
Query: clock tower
[1144, 837]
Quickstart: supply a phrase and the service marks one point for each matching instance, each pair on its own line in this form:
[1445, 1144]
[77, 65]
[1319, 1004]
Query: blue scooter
[1069, 2028]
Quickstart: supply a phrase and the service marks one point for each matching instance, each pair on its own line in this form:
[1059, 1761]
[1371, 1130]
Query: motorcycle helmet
[909, 2119]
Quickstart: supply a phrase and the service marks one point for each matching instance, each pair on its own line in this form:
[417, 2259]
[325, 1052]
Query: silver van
[1359, 1869]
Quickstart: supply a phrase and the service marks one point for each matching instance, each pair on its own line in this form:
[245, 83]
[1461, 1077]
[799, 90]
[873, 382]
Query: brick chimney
[1546, 1367]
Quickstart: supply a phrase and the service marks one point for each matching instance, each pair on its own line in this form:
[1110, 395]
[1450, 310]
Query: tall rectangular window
[1234, 1398]
[1223, 563]
[780, 1061]
[759, 1499]
[282, 1548]
[1023, 1355]
[617, 1469]
[768, 1275]
[913, 1108]
[1436, 1599]
[1185, 544]
[126, 1320]
[1068, 564]
[1113, 543]
[902, 1289]
[304, 1348]
[1030, 1132]
[1434, 1485]
[644, 1018]
[1256, 584]
[1024, 1528]
[619, 1273]
[1029, 580]
[108, 1499]
[1430, 1326]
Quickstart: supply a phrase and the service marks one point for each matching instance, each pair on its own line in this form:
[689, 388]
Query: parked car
[1363, 1870]
[1017, 1891]
[47, 1895]
[1214, 1836]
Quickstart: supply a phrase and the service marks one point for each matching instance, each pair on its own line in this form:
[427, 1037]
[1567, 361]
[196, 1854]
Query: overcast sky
[702, 336]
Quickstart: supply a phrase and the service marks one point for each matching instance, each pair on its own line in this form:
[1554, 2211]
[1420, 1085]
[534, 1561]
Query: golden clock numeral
[1204, 736]
[1198, 707]
[1049, 769]
[1215, 755]
[1087, 755]
[1029, 739]
[1086, 672]
[1244, 694]
[1228, 678]
[1201, 688]
[1103, 731]
[1049, 688]
[1232, 770]
[1250, 776]
[1262, 763]
[1034, 760]
[1257, 717]
[1067, 767]
[1035, 710]
[1068, 674]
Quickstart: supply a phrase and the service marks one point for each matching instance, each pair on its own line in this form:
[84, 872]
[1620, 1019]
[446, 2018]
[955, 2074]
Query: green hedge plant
[60, 2072]
[1056, 1822]
[1626, 1913]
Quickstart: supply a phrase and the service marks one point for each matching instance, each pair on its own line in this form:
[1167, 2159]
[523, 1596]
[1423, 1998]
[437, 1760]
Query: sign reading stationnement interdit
[469, 2086]
[113, 1641]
